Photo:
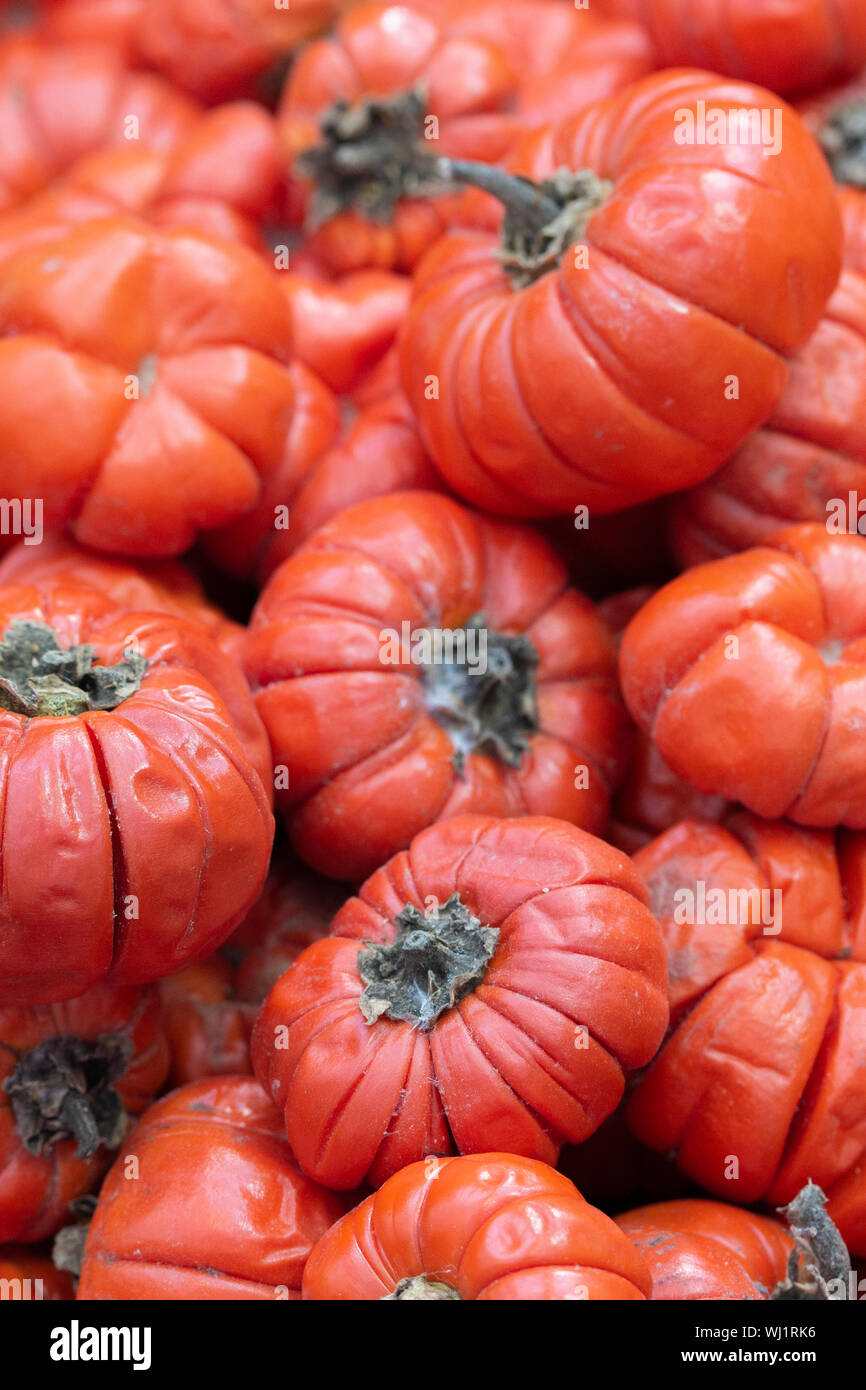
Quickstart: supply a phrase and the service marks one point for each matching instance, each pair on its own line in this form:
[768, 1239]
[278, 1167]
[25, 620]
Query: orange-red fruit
[135, 838]
[699, 1250]
[488, 1227]
[789, 47]
[761, 1084]
[217, 1210]
[366, 731]
[145, 390]
[750, 674]
[533, 1048]
[633, 367]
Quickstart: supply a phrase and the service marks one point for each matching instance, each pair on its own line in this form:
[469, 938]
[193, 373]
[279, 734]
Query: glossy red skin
[488, 71]
[166, 586]
[245, 546]
[197, 323]
[491, 1226]
[774, 726]
[58, 105]
[699, 1250]
[221, 177]
[151, 808]
[554, 395]
[17, 1262]
[210, 1008]
[35, 1191]
[811, 452]
[220, 1210]
[711, 1102]
[343, 328]
[377, 453]
[386, 769]
[739, 997]
[382, 50]
[789, 47]
[577, 947]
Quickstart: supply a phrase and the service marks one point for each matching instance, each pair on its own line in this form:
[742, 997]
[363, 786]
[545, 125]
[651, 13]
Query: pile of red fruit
[443, 425]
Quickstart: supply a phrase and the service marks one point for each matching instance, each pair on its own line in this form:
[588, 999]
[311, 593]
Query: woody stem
[521, 197]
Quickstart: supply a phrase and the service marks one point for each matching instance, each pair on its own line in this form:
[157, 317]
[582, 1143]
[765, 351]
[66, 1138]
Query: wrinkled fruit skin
[698, 1250]
[792, 47]
[491, 1226]
[153, 411]
[603, 382]
[135, 839]
[385, 767]
[572, 999]
[811, 452]
[788, 984]
[749, 673]
[220, 1211]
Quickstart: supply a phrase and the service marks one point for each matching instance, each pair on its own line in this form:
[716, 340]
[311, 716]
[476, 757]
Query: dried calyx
[64, 1089]
[435, 960]
[374, 154]
[420, 1289]
[819, 1266]
[843, 140]
[67, 1250]
[38, 677]
[486, 697]
[370, 157]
